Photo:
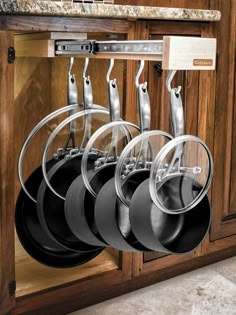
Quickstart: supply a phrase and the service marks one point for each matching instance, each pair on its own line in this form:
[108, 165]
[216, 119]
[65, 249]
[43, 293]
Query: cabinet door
[224, 183]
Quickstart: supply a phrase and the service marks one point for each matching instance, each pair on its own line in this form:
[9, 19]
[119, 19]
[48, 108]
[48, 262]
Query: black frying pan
[112, 215]
[112, 210]
[177, 230]
[33, 237]
[81, 196]
[52, 192]
[170, 233]
[31, 234]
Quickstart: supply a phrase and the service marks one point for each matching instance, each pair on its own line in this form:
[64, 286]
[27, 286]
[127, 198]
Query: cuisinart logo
[203, 62]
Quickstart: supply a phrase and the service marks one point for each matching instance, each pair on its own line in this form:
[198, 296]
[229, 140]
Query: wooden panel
[58, 24]
[35, 48]
[32, 99]
[79, 295]
[181, 28]
[152, 256]
[32, 277]
[50, 35]
[188, 53]
[7, 272]
[196, 4]
[224, 183]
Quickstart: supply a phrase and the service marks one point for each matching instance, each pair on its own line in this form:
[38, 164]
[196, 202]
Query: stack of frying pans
[123, 186]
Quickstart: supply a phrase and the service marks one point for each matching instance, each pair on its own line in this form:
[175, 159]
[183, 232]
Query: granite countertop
[58, 8]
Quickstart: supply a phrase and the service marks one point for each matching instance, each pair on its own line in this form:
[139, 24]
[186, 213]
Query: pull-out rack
[175, 52]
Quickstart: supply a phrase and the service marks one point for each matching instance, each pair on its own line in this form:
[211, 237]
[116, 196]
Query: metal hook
[139, 72]
[111, 65]
[86, 64]
[71, 63]
[169, 79]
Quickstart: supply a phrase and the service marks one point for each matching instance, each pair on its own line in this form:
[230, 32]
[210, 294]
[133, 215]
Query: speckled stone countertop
[58, 8]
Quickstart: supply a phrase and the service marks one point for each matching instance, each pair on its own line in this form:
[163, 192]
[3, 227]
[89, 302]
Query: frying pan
[111, 213]
[52, 190]
[31, 234]
[173, 232]
[80, 198]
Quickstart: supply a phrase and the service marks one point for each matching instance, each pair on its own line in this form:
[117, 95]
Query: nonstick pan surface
[112, 216]
[170, 233]
[80, 203]
[33, 237]
[81, 196]
[53, 189]
[50, 207]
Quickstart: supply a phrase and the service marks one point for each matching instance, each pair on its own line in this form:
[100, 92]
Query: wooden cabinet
[210, 114]
[209, 102]
[224, 185]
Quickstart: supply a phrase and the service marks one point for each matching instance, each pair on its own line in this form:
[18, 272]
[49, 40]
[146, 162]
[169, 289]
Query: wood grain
[33, 277]
[42, 88]
[224, 184]
[32, 103]
[7, 269]
[35, 48]
[197, 4]
[62, 24]
[50, 36]
[82, 294]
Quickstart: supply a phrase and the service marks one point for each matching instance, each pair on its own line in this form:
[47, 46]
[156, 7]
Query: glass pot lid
[137, 158]
[181, 174]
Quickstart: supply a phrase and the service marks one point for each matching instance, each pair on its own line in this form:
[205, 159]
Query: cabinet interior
[41, 87]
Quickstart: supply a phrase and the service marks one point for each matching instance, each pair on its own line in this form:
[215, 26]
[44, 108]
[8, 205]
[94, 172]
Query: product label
[203, 62]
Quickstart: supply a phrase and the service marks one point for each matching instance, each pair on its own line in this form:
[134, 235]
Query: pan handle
[144, 107]
[177, 121]
[88, 102]
[72, 98]
[114, 106]
[177, 112]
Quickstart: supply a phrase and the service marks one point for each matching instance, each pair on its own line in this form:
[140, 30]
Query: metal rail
[92, 47]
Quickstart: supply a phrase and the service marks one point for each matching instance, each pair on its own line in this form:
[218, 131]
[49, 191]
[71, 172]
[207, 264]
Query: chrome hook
[86, 64]
[111, 65]
[169, 79]
[139, 72]
[71, 63]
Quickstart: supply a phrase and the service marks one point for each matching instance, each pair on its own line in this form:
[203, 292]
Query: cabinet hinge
[158, 67]
[12, 288]
[11, 55]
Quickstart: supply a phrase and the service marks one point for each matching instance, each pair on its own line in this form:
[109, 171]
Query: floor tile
[226, 268]
[201, 292]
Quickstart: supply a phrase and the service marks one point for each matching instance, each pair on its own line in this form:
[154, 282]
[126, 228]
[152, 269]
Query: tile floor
[207, 291]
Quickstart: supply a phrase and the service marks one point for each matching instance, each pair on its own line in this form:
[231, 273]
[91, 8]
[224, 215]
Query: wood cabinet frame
[134, 272]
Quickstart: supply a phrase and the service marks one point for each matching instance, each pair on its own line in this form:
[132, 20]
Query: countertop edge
[45, 8]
